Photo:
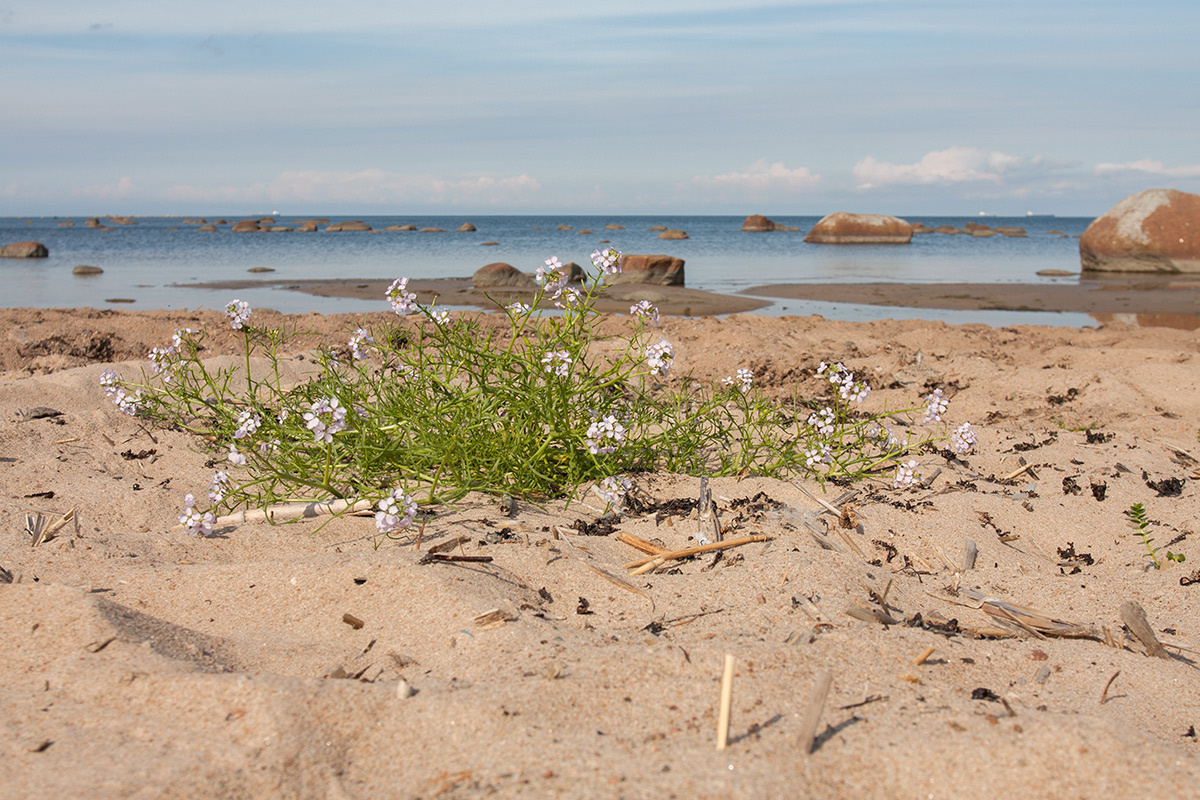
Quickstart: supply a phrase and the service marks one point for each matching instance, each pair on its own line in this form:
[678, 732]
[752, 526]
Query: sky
[626, 106]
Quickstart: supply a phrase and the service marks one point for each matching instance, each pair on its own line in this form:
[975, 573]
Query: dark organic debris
[1071, 558]
[1022, 447]
[678, 506]
[48, 494]
[1188, 580]
[584, 606]
[1059, 399]
[887, 547]
[602, 526]
[1098, 437]
[983, 693]
[946, 628]
[41, 412]
[1098, 490]
[1167, 487]
[130, 455]
[1071, 486]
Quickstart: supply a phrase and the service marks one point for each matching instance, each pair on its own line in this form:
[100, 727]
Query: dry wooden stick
[1015, 473]
[726, 703]
[691, 551]
[286, 511]
[812, 714]
[640, 544]
[925, 654]
[830, 508]
[1104, 694]
[1134, 617]
[971, 552]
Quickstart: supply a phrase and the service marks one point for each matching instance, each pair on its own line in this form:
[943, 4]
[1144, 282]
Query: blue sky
[657, 106]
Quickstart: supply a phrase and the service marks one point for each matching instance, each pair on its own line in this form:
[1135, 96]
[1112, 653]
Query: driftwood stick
[726, 703]
[1016, 472]
[704, 548]
[1134, 617]
[812, 714]
[970, 553]
[286, 511]
[640, 544]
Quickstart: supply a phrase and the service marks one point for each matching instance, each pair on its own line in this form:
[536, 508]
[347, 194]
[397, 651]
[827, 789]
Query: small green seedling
[1141, 523]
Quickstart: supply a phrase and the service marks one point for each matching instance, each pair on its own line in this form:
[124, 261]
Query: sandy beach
[283, 661]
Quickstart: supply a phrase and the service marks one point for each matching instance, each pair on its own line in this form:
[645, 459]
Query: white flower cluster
[558, 362]
[646, 310]
[193, 520]
[569, 298]
[613, 490]
[935, 406]
[239, 313]
[517, 308]
[816, 456]
[395, 511]
[908, 475]
[219, 487]
[360, 343]
[248, 422]
[744, 380]
[605, 430]
[822, 421]
[234, 456]
[963, 438]
[660, 357]
[401, 300]
[322, 430]
[552, 277]
[440, 317]
[126, 403]
[608, 260]
[848, 388]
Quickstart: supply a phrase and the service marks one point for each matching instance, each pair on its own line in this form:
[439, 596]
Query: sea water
[150, 262]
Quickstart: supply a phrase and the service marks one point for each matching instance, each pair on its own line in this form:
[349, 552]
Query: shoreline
[1173, 302]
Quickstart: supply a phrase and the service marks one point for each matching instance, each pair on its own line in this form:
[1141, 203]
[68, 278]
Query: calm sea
[149, 261]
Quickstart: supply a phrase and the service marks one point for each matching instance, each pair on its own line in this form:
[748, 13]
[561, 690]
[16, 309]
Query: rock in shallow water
[1157, 230]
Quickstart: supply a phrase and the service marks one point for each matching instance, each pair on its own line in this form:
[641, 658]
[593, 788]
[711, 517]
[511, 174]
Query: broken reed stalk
[643, 565]
[287, 511]
[925, 654]
[726, 703]
[1016, 472]
[1134, 617]
[1104, 694]
[640, 544]
[812, 714]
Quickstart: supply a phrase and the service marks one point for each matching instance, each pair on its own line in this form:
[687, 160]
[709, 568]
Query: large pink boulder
[845, 228]
[757, 223]
[1157, 230]
[24, 250]
[658, 270]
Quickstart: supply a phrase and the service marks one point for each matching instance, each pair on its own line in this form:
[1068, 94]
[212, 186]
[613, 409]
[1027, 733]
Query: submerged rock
[846, 228]
[24, 250]
[658, 270]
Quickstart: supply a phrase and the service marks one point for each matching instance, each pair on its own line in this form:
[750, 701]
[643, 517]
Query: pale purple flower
[160, 359]
[551, 277]
[128, 404]
[193, 520]
[814, 457]
[395, 511]
[178, 336]
[400, 298]
[963, 438]
[646, 310]
[238, 312]
[569, 298]
[517, 308]
[744, 380]
[660, 357]
[558, 362]
[324, 429]
[908, 475]
[608, 260]
[440, 317]
[110, 382]
[248, 422]
[822, 421]
[234, 457]
[271, 446]
[604, 435]
[360, 342]
[935, 406]
[613, 489]
[219, 487]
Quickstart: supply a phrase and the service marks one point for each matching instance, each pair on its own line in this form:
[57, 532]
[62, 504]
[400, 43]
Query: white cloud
[1150, 167]
[952, 165]
[113, 191]
[761, 177]
[369, 187]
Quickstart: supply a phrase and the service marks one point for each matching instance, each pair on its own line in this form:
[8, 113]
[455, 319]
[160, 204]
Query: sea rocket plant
[935, 406]
[963, 439]
[193, 520]
[557, 362]
[908, 475]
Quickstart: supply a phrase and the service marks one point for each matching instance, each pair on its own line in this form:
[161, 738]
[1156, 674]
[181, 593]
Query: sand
[141, 662]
